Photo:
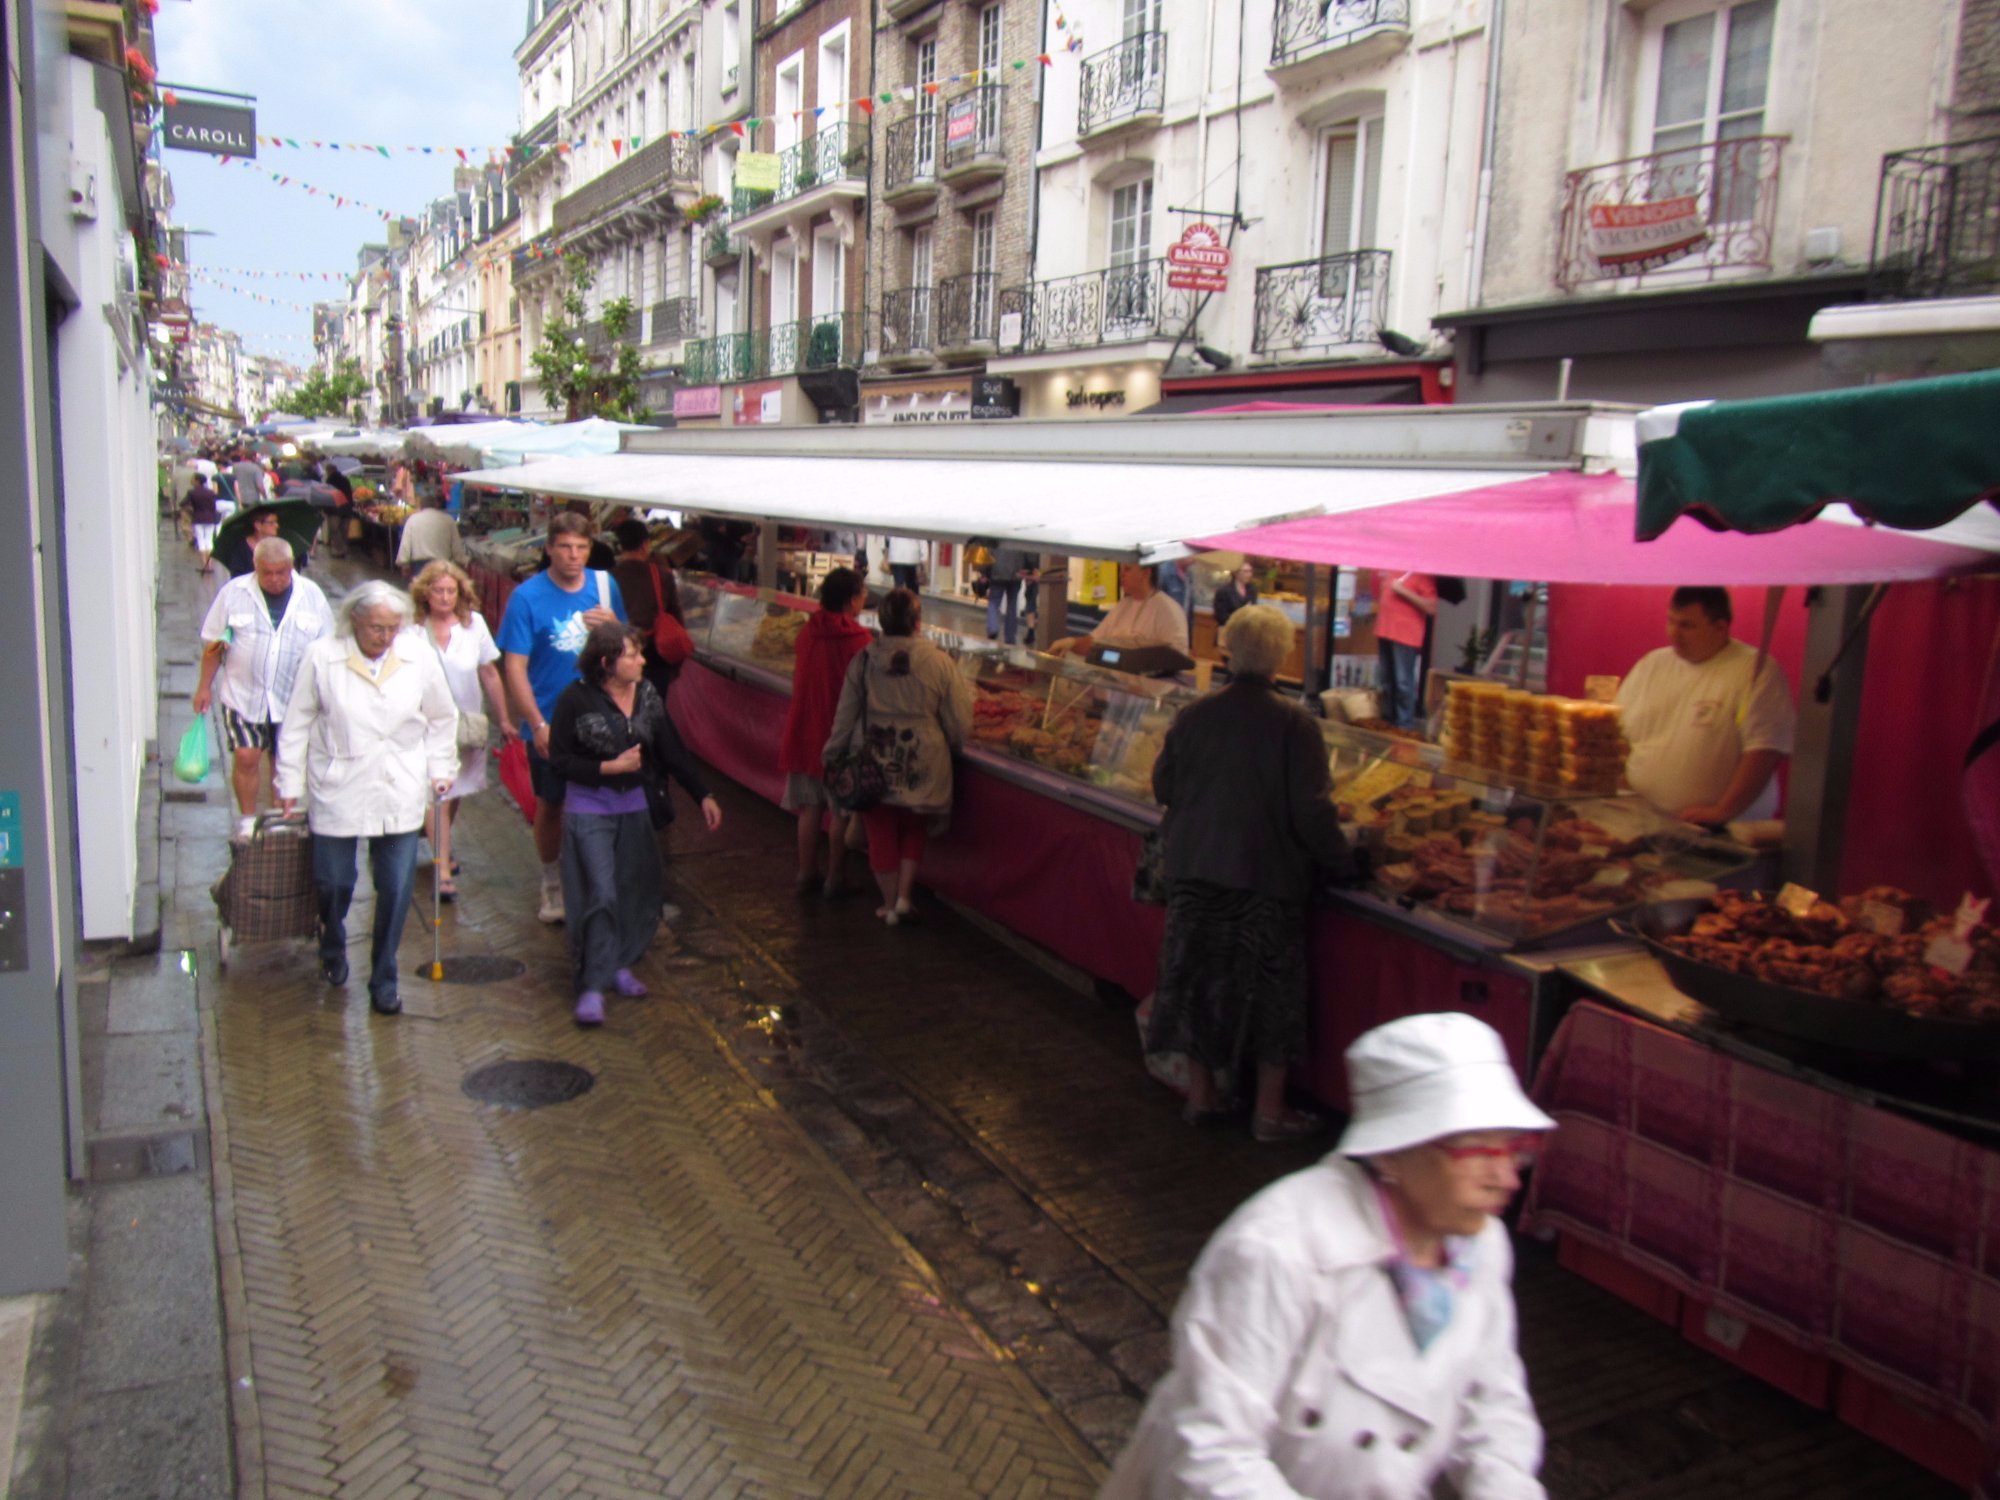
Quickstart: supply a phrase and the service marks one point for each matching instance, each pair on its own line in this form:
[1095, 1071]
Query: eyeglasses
[1520, 1152]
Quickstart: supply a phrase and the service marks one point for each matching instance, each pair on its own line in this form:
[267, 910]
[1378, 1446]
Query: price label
[1797, 900]
[1881, 918]
[1949, 952]
[1601, 689]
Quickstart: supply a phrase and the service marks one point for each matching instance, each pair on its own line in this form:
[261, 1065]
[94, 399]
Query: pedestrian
[650, 590]
[429, 536]
[905, 701]
[240, 557]
[609, 738]
[203, 518]
[541, 637]
[833, 636]
[257, 632]
[1405, 604]
[1239, 589]
[446, 606]
[906, 562]
[343, 508]
[1003, 593]
[370, 736]
[402, 485]
[1348, 1333]
[1242, 775]
[251, 483]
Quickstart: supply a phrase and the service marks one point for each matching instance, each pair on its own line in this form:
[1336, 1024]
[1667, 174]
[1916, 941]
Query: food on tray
[1839, 950]
[1560, 742]
[777, 637]
[1063, 726]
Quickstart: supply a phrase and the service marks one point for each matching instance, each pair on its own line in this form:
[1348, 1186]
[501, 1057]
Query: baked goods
[1838, 949]
[1567, 743]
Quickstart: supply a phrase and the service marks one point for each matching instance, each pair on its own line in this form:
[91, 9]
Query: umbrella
[298, 523]
[1912, 455]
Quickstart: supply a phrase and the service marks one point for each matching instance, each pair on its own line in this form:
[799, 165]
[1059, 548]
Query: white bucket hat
[1423, 1077]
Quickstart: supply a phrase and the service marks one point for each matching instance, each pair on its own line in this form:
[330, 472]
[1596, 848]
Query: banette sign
[216, 129]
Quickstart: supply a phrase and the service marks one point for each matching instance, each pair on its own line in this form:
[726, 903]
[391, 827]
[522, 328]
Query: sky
[399, 73]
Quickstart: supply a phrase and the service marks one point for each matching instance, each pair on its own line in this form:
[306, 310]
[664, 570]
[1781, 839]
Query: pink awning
[1578, 528]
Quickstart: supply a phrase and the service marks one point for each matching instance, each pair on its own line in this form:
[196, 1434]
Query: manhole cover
[528, 1085]
[480, 968]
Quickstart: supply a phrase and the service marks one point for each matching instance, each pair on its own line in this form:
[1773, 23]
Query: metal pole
[1822, 769]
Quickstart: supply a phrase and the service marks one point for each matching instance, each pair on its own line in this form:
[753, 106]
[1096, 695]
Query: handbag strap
[659, 594]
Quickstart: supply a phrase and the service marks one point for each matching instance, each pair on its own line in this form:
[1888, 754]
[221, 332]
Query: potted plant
[855, 159]
[704, 208]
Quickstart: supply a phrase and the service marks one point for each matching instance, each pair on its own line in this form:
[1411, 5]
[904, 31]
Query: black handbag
[1150, 886]
[855, 779]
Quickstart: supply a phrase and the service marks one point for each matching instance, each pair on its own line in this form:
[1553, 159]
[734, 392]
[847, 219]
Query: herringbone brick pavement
[660, 1288]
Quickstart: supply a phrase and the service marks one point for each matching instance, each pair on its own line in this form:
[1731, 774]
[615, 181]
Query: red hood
[835, 625]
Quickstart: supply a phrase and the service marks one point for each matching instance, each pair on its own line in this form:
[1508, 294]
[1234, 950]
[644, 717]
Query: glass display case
[1098, 727]
[698, 593]
[1516, 859]
[762, 631]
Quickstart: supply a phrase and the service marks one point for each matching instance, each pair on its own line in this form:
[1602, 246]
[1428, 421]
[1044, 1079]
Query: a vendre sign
[1632, 237]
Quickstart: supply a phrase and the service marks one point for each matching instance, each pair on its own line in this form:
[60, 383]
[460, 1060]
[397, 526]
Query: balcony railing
[831, 153]
[909, 153]
[972, 126]
[1123, 82]
[718, 243]
[906, 323]
[668, 161]
[964, 310]
[1327, 303]
[676, 318]
[720, 360]
[1306, 28]
[1937, 222]
[821, 343]
[1693, 210]
[1122, 304]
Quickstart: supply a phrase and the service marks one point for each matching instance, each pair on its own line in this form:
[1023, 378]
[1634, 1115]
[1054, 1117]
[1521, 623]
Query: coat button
[1409, 1442]
[1364, 1439]
[1310, 1416]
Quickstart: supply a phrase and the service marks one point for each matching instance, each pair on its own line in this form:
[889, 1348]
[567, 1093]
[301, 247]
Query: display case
[1096, 727]
[738, 624]
[1517, 860]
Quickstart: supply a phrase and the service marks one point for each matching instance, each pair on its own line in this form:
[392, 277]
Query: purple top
[603, 801]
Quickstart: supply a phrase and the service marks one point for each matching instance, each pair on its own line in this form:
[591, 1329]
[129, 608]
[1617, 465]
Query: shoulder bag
[854, 777]
[670, 638]
[473, 726]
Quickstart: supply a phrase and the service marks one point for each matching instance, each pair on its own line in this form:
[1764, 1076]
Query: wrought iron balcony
[906, 326]
[718, 244]
[1695, 210]
[1122, 304]
[720, 360]
[676, 318]
[964, 309]
[1305, 29]
[909, 158]
[1322, 304]
[671, 161]
[833, 153]
[972, 146]
[829, 342]
[1123, 84]
[1937, 222]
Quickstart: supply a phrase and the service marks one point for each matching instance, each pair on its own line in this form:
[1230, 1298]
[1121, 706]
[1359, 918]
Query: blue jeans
[905, 575]
[612, 890]
[392, 864]
[1400, 666]
[995, 592]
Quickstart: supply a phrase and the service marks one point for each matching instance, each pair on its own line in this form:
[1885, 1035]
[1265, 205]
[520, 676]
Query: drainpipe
[1475, 271]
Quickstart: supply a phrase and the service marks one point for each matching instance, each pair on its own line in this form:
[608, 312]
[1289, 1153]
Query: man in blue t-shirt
[548, 619]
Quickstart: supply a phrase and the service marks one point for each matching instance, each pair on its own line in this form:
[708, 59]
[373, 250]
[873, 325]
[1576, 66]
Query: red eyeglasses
[1520, 1151]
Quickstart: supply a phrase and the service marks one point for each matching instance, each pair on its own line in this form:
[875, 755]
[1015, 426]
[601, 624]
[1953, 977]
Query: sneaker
[590, 1009]
[551, 910]
[246, 826]
[628, 984]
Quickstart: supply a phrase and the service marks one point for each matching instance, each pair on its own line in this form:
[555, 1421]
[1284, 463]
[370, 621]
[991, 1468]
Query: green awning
[1912, 455]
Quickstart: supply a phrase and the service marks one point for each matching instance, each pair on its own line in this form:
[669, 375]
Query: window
[732, 45]
[642, 124]
[927, 72]
[1350, 183]
[829, 272]
[985, 253]
[791, 95]
[1710, 84]
[693, 261]
[989, 70]
[989, 41]
[725, 304]
[1128, 280]
[922, 242]
[784, 285]
[685, 118]
[1139, 15]
[831, 85]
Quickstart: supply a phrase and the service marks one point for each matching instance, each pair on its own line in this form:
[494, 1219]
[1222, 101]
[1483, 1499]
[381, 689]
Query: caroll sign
[1199, 261]
[216, 129]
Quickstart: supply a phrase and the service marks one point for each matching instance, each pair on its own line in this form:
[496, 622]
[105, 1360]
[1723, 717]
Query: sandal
[447, 891]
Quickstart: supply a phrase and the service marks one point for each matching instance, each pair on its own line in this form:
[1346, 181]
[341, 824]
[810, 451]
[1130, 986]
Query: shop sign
[697, 401]
[1632, 237]
[961, 121]
[1198, 261]
[994, 396]
[761, 405]
[904, 406]
[215, 129]
[1092, 400]
[1010, 330]
[757, 171]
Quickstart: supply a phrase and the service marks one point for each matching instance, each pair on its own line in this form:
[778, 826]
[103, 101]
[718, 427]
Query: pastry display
[1078, 728]
[1566, 743]
[1877, 947]
[777, 637]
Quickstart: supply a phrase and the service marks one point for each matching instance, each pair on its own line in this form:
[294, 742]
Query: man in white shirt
[1143, 616]
[1708, 721]
[430, 535]
[256, 633]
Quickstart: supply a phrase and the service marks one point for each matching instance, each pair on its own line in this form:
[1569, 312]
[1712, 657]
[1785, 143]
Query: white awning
[1132, 512]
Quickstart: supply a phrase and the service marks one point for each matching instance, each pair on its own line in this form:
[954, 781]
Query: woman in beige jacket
[905, 699]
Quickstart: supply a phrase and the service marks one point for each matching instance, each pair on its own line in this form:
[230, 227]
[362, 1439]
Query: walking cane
[437, 887]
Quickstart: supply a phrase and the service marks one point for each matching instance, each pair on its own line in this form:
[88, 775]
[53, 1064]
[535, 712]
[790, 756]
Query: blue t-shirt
[545, 624]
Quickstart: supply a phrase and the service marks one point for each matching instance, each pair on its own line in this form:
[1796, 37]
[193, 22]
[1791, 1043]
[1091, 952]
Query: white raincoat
[1295, 1373]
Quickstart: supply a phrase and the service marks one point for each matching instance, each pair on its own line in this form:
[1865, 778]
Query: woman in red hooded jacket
[832, 638]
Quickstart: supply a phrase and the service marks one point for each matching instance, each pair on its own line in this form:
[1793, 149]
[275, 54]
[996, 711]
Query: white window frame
[986, 265]
[926, 71]
[1363, 128]
[829, 288]
[1144, 187]
[732, 44]
[790, 76]
[1646, 97]
[826, 95]
[784, 254]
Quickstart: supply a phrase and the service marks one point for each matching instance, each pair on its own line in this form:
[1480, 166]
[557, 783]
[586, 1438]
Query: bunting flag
[339, 200]
[166, 263]
[220, 284]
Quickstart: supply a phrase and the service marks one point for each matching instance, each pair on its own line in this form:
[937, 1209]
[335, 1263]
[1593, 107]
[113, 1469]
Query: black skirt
[1232, 978]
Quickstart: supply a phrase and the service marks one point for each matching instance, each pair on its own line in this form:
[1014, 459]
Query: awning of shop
[1126, 511]
[1578, 528]
[514, 442]
[1912, 455]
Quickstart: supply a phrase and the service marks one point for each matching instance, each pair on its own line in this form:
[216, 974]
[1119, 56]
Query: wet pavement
[845, 1210]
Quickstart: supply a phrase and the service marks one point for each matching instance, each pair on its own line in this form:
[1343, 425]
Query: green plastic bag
[191, 764]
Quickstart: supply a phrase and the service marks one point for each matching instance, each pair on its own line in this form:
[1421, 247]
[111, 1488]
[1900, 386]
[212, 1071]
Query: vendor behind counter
[1143, 616]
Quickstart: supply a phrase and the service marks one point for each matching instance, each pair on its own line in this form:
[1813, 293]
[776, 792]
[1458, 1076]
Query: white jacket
[366, 749]
[1295, 1373]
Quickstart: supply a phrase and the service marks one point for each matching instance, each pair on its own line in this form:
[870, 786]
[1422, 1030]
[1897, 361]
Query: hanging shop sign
[1628, 238]
[994, 396]
[693, 402]
[757, 171]
[215, 129]
[923, 404]
[1198, 261]
[759, 405]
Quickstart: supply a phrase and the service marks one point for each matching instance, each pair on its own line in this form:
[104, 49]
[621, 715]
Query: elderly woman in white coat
[1349, 1332]
[370, 736]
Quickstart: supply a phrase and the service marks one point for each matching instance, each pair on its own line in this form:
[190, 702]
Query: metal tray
[1855, 1025]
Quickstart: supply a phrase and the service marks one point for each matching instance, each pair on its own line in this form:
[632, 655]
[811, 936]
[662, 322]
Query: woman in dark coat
[608, 738]
[1243, 777]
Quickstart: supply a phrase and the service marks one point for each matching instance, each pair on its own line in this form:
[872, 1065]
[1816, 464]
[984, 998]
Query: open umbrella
[298, 523]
